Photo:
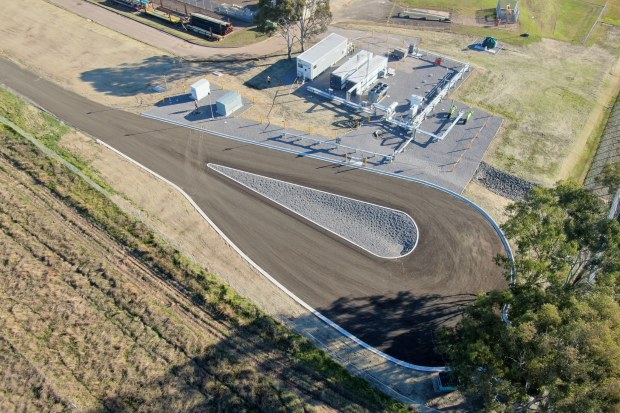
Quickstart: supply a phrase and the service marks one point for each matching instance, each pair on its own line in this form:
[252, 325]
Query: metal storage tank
[228, 104]
[322, 55]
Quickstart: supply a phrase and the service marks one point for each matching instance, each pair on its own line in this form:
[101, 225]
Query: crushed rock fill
[385, 232]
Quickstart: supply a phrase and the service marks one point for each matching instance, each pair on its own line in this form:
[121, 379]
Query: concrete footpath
[165, 41]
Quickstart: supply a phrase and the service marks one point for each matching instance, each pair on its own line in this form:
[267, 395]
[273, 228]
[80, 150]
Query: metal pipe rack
[369, 154]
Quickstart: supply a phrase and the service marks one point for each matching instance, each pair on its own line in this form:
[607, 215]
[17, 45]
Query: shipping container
[321, 56]
[134, 4]
[209, 25]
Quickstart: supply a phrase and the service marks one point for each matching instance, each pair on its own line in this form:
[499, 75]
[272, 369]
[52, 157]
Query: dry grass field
[97, 314]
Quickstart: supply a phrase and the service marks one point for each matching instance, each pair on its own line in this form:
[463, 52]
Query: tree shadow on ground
[130, 79]
[402, 325]
[486, 16]
[280, 73]
[253, 367]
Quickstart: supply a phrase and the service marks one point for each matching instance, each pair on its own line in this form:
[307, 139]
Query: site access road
[394, 305]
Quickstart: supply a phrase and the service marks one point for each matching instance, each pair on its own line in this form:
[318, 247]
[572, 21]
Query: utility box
[378, 92]
[321, 56]
[200, 89]
[228, 104]
[398, 54]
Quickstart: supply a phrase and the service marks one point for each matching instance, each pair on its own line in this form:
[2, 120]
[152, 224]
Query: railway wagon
[134, 4]
[209, 25]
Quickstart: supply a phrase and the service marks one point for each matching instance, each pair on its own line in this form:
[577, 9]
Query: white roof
[351, 65]
[322, 48]
[376, 64]
[200, 83]
[230, 98]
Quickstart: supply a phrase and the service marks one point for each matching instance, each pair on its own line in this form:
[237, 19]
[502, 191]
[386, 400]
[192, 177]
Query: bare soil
[495, 205]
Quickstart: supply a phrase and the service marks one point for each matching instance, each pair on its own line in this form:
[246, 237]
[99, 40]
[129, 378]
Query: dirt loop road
[394, 305]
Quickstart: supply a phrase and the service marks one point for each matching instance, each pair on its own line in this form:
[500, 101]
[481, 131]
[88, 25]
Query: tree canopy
[610, 178]
[560, 350]
[294, 20]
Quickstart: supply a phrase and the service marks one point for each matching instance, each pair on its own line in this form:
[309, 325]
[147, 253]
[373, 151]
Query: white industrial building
[359, 81]
[228, 104]
[321, 56]
[339, 77]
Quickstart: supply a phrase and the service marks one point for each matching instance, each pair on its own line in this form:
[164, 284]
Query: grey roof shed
[228, 104]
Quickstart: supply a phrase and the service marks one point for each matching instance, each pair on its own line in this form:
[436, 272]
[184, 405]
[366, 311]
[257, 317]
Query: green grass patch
[612, 14]
[46, 129]
[583, 164]
[566, 20]
[504, 36]
[242, 38]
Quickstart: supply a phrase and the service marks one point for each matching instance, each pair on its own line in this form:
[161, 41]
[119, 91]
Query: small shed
[200, 89]
[228, 104]
[508, 11]
[321, 56]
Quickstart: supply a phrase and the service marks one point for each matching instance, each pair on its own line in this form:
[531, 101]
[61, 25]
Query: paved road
[394, 305]
[165, 41]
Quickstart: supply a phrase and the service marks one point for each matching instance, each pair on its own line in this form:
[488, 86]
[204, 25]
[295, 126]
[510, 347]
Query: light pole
[210, 105]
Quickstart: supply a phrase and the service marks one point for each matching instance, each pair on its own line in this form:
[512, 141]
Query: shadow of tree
[402, 325]
[130, 79]
[281, 73]
[255, 367]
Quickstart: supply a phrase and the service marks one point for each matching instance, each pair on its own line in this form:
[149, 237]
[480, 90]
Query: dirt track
[394, 305]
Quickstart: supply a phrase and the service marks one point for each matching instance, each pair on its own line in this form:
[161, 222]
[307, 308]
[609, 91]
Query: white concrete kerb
[218, 168]
[273, 280]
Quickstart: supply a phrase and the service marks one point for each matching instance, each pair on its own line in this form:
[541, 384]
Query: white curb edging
[213, 166]
[273, 280]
